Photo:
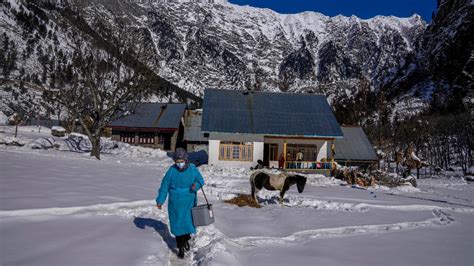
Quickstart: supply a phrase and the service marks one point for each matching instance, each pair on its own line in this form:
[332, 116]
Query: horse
[270, 181]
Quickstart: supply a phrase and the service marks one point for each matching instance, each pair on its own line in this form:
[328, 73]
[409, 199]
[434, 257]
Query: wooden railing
[308, 165]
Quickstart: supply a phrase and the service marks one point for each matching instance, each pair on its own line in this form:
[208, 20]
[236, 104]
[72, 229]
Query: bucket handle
[208, 205]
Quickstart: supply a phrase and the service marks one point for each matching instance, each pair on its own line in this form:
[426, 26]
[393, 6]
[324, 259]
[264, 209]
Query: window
[236, 151]
[146, 138]
[128, 137]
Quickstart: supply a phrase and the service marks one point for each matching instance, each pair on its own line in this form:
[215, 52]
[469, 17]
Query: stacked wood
[384, 179]
[355, 177]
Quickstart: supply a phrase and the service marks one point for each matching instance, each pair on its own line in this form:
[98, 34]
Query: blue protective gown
[181, 197]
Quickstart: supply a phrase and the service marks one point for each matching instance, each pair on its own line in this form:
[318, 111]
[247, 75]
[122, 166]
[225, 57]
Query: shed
[354, 149]
[194, 138]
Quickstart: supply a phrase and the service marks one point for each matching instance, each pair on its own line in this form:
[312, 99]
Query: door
[266, 154]
[167, 142]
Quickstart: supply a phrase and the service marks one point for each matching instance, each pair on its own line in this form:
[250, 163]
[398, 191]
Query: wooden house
[154, 125]
[292, 131]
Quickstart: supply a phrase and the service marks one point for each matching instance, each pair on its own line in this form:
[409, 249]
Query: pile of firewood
[355, 177]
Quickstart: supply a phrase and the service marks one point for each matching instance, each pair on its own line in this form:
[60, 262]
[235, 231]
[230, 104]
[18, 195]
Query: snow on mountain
[201, 44]
[229, 46]
[206, 43]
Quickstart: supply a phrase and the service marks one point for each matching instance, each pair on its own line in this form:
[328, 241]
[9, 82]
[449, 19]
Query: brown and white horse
[270, 181]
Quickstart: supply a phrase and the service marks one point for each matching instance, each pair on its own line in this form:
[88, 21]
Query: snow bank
[43, 143]
[399, 189]
[32, 137]
[127, 150]
[470, 171]
[3, 119]
[81, 143]
[323, 181]
[11, 141]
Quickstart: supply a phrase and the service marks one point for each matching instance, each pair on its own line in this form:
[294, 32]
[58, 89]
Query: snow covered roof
[286, 114]
[58, 128]
[354, 146]
[153, 115]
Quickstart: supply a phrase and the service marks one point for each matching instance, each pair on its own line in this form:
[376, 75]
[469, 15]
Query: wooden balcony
[311, 167]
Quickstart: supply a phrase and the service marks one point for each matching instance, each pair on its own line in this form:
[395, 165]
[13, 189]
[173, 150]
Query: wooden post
[333, 152]
[284, 153]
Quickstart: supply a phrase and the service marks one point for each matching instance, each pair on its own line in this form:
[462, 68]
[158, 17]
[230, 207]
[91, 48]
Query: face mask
[181, 165]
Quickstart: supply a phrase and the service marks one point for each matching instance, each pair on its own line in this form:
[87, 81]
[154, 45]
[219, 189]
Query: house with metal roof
[294, 131]
[194, 138]
[354, 149]
[155, 125]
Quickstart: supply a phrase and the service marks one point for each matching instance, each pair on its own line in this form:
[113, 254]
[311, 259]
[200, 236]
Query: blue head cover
[180, 153]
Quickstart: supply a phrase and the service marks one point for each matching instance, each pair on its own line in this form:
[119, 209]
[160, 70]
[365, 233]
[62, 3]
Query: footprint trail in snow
[210, 242]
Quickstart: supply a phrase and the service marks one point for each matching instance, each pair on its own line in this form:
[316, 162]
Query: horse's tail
[252, 186]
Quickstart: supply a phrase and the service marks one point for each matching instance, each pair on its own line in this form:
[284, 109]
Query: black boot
[181, 253]
[186, 246]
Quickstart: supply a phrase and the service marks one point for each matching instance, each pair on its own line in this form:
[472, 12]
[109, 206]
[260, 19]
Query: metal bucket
[203, 215]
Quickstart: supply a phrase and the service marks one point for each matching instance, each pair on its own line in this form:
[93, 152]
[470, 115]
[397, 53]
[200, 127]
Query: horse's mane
[296, 177]
[281, 174]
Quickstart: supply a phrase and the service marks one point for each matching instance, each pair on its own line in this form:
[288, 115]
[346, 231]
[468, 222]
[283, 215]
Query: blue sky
[361, 8]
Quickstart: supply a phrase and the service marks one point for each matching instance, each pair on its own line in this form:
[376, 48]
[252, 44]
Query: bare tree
[286, 80]
[102, 83]
[21, 114]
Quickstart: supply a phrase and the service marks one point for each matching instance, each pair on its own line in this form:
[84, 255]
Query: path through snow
[211, 242]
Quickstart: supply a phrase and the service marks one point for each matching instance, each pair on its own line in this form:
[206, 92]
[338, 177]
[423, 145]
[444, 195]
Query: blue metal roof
[287, 114]
[354, 146]
[192, 127]
[152, 115]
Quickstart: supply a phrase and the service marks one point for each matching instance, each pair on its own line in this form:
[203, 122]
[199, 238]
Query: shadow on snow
[159, 227]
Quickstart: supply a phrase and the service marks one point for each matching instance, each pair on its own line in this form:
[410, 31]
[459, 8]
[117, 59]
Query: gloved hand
[193, 187]
[158, 206]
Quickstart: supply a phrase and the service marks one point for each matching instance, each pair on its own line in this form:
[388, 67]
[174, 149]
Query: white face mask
[181, 165]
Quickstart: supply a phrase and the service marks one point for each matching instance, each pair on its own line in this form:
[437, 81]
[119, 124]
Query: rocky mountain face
[214, 44]
[217, 44]
[448, 46]
[443, 65]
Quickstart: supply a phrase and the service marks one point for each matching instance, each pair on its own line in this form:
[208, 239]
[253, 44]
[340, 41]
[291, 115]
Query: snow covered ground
[59, 207]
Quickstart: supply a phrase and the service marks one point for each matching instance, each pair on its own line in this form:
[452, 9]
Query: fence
[424, 172]
[41, 122]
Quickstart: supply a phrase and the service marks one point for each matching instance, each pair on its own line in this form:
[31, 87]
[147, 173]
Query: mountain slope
[222, 45]
[204, 43]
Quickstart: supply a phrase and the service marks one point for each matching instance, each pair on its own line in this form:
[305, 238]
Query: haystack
[243, 200]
